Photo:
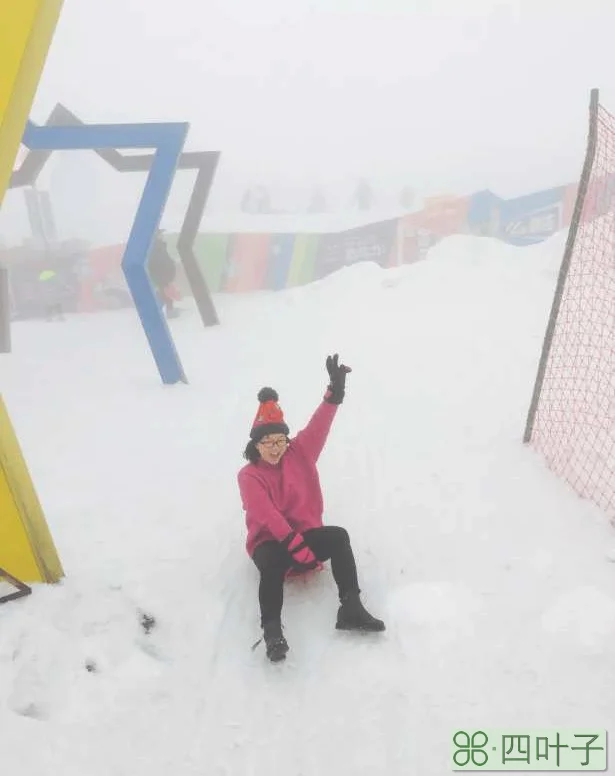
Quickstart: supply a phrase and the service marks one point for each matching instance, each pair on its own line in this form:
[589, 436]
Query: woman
[282, 499]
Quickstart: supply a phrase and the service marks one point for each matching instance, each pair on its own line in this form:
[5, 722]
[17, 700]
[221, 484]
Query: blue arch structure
[168, 141]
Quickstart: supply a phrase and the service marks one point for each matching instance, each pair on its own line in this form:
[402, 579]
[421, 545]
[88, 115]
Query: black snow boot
[276, 644]
[352, 615]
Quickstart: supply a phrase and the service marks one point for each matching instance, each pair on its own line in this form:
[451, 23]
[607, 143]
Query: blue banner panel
[532, 218]
[281, 251]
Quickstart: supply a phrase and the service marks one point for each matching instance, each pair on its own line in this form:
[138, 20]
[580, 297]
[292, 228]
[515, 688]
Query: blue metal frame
[168, 141]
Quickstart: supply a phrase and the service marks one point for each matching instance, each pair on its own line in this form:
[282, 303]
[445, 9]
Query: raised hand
[337, 380]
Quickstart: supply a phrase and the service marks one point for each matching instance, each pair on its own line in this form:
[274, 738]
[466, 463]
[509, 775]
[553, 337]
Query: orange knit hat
[269, 418]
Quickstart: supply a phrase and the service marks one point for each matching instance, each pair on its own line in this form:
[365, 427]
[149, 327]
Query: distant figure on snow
[163, 270]
[52, 289]
[364, 195]
[318, 202]
[283, 503]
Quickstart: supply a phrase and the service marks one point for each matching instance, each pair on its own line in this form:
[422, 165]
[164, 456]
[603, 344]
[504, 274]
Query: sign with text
[373, 242]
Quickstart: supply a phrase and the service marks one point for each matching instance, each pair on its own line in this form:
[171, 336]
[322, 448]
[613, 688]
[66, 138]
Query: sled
[293, 574]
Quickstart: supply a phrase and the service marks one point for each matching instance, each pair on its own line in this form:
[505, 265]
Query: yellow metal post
[26, 31]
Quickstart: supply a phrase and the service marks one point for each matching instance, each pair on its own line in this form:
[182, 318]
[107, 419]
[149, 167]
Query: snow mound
[584, 617]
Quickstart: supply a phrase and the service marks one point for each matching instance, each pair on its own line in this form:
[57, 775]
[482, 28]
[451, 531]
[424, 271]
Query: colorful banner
[396, 252]
[599, 198]
[483, 216]
[301, 270]
[248, 257]
[364, 243]
[102, 282]
[568, 202]
[252, 262]
[420, 231]
[211, 254]
[533, 218]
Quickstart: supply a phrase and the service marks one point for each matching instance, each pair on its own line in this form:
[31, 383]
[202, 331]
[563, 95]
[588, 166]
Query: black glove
[337, 380]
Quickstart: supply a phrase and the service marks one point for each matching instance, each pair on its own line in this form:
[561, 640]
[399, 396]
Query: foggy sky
[444, 95]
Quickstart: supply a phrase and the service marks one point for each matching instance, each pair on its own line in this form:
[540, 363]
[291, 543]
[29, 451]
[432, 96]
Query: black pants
[273, 561]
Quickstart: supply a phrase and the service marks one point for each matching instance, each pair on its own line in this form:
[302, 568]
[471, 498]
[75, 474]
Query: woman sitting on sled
[282, 499]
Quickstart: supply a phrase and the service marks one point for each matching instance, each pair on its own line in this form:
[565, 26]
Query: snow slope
[490, 573]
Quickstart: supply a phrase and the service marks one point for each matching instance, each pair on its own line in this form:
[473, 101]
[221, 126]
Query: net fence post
[590, 154]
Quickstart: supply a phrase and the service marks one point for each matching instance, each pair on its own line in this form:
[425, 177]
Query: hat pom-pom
[267, 394]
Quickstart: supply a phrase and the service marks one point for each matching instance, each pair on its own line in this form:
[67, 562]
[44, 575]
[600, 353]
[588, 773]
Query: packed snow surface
[491, 574]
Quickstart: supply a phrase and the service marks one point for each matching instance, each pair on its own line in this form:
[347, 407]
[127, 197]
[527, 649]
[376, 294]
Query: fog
[442, 96]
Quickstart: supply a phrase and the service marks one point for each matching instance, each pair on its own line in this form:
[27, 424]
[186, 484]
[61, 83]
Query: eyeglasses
[270, 443]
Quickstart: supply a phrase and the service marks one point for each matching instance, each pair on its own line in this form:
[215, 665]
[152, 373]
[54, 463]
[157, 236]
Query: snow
[491, 574]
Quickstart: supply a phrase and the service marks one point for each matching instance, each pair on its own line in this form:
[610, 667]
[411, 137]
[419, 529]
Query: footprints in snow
[50, 667]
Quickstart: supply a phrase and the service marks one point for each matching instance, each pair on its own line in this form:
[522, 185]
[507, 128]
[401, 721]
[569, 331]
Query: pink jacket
[287, 497]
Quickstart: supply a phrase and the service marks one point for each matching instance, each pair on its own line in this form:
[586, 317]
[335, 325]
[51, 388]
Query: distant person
[282, 499]
[256, 200]
[318, 203]
[262, 201]
[52, 289]
[406, 198]
[364, 195]
[163, 270]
